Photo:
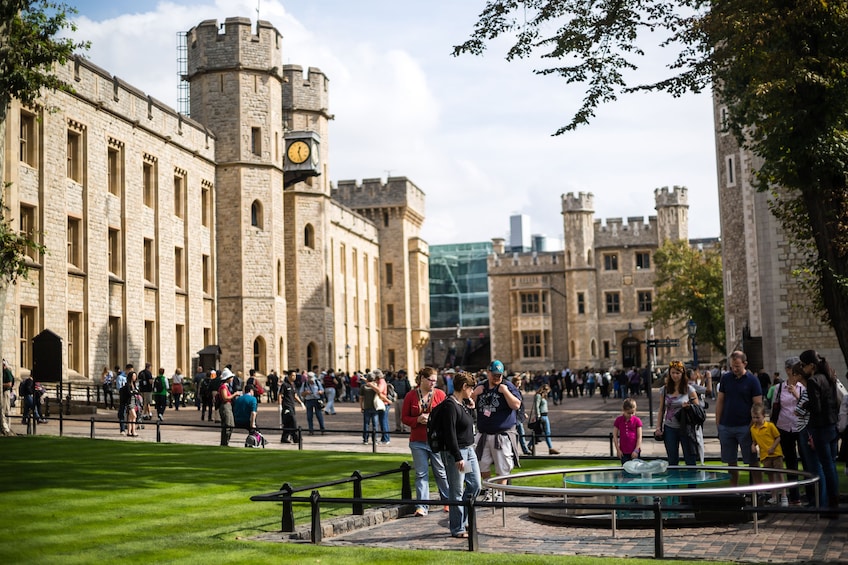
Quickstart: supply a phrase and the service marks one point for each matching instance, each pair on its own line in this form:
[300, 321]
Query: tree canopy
[689, 286]
[780, 67]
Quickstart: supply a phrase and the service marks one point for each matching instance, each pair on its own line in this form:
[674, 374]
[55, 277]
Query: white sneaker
[499, 496]
[486, 495]
[784, 500]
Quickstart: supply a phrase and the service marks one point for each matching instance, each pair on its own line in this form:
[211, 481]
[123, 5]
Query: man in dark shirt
[287, 398]
[738, 392]
[145, 387]
[496, 400]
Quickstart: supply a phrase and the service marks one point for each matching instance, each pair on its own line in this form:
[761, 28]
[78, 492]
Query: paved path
[781, 539]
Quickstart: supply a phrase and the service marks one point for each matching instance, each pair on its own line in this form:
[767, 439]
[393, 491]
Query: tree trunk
[826, 208]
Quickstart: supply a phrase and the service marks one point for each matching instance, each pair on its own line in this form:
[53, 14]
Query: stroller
[255, 439]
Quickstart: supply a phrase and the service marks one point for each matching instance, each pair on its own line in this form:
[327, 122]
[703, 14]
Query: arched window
[256, 218]
[282, 355]
[327, 293]
[589, 258]
[573, 349]
[311, 355]
[279, 278]
[568, 258]
[309, 236]
[259, 355]
[594, 348]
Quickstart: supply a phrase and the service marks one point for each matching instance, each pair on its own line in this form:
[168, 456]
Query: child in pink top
[627, 432]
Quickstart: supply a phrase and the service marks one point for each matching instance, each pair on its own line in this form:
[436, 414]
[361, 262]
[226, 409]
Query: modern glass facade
[459, 286]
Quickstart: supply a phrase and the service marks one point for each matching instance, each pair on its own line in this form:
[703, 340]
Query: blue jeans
[312, 408]
[675, 438]
[824, 445]
[330, 393]
[812, 465]
[369, 417]
[422, 458]
[384, 424]
[457, 489]
[546, 427]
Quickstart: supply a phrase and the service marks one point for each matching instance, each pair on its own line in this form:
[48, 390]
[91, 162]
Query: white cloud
[473, 132]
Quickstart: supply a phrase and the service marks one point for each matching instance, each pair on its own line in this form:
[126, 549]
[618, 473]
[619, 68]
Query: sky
[474, 133]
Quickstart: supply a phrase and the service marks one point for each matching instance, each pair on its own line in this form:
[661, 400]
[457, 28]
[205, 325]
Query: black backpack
[436, 426]
[158, 384]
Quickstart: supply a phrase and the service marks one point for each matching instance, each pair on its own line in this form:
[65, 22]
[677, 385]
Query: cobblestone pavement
[781, 538]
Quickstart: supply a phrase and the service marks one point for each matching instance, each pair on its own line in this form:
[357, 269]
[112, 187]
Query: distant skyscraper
[519, 233]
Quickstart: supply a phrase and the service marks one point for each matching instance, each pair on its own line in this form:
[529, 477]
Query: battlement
[232, 45]
[374, 193]
[677, 196]
[527, 262]
[109, 93]
[583, 202]
[308, 92]
[634, 224]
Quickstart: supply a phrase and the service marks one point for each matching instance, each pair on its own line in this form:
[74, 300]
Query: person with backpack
[160, 394]
[415, 413]
[207, 391]
[451, 432]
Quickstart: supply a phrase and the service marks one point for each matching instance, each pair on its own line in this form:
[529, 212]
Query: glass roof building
[459, 286]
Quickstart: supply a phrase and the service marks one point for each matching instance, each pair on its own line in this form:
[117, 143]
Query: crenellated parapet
[676, 196]
[234, 46]
[581, 202]
[374, 194]
[305, 92]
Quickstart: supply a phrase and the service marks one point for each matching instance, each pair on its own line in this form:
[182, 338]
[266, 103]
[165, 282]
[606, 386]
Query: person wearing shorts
[496, 401]
[738, 392]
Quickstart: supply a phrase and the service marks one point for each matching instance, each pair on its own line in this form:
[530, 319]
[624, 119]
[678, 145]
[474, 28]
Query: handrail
[286, 491]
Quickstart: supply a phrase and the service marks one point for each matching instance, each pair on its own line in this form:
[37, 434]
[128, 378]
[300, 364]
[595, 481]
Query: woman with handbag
[783, 403]
[312, 393]
[676, 395]
[542, 425]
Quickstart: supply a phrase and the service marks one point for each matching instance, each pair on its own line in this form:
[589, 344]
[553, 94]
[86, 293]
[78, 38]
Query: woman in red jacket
[417, 405]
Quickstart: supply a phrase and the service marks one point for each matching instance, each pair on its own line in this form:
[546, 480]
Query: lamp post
[347, 358]
[692, 328]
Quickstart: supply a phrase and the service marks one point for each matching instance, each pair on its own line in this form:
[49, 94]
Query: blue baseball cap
[496, 367]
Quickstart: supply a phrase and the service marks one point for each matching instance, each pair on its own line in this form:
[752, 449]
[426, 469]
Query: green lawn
[71, 500]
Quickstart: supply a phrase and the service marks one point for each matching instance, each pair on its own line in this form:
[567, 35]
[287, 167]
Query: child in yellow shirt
[766, 436]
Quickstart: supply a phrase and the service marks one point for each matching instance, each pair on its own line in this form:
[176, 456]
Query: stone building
[186, 232]
[588, 304]
[767, 314]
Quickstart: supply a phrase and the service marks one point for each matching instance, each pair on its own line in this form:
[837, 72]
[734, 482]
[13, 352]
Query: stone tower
[396, 208]
[580, 275]
[235, 73]
[672, 213]
[307, 206]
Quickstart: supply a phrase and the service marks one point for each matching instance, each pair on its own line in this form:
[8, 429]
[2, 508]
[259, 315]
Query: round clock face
[298, 152]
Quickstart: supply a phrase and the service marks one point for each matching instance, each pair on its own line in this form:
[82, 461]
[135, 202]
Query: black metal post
[659, 552]
[91, 433]
[315, 504]
[299, 438]
[471, 513]
[158, 432]
[611, 445]
[287, 519]
[61, 421]
[405, 489]
[358, 510]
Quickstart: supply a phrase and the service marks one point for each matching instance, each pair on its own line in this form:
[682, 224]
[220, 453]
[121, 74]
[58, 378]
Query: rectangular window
[179, 268]
[207, 336]
[29, 229]
[723, 119]
[29, 150]
[179, 196]
[207, 274]
[731, 170]
[529, 303]
[75, 155]
[149, 261]
[606, 346]
[613, 300]
[29, 329]
[389, 274]
[205, 205]
[391, 359]
[75, 242]
[179, 335]
[148, 180]
[113, 165]
[75, 342]
[645, 299]
[150, 342]
[390, 315]
[531, 344]
[581, 303]
[116, 260]
[643, 260]
[256, 141]
[115, 339]
[611, 262]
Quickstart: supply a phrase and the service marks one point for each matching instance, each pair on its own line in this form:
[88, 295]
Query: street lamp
[692, 328]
